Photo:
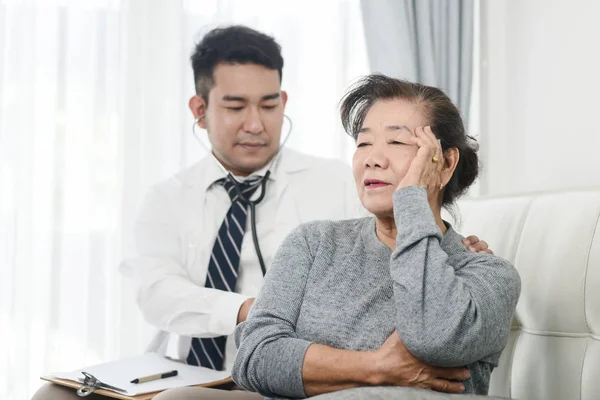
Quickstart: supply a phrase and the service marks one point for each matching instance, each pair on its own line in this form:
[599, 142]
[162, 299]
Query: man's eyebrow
[233, 98]
[271, 96]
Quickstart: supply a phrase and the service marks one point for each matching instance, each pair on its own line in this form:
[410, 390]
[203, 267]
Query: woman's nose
[376, 158]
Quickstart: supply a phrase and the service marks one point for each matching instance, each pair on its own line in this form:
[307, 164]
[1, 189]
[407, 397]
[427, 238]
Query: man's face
[244, 116]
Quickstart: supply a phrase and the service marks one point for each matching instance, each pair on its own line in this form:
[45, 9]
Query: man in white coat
[197, 267]
[240, 106]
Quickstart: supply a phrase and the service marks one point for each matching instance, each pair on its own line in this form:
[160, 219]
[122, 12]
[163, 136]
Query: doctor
[198, 268]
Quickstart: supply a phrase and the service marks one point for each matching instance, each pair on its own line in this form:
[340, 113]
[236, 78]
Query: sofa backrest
[553, 239]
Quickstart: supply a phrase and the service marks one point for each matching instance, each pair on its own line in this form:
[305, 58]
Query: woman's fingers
[433, 140]
[426, 138]
[423, 141]
[455, 374]
[446, 379]
[431, 135]
[442, 385]
[425, 167]
[470, 240]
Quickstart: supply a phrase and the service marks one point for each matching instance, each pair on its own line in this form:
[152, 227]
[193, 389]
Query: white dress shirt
[177, 227]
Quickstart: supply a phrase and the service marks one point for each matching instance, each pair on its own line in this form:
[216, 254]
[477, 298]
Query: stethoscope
[238, 189]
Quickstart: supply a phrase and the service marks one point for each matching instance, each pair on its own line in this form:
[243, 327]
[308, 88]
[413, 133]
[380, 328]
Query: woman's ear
[451, 157]
[198, 107]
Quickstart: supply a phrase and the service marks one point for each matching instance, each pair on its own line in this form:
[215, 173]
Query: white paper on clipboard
[120, 373]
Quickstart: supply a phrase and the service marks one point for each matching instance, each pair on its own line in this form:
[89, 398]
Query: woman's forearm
[453, 307]
[326, 369]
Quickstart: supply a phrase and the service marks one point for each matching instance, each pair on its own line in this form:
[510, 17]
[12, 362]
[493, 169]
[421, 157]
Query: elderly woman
[392, 299]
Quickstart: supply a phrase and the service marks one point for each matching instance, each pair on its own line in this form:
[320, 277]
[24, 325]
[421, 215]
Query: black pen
[155, 377]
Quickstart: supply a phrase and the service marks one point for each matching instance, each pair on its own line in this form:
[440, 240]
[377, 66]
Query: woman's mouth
[374, 183]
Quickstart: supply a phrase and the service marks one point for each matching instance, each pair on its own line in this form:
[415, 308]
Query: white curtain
[93, 110]
[435, 42]
[427, 41]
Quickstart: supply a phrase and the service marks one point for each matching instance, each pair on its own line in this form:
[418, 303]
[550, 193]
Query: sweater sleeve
[270, 356]
[453, 307]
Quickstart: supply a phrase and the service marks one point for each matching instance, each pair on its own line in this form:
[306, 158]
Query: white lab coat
[173, 250]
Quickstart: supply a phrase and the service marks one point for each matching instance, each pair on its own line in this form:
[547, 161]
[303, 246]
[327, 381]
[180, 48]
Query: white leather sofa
[554, 241]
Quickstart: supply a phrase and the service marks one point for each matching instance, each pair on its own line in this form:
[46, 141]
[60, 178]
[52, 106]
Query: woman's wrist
[327, 369]
[369, 374]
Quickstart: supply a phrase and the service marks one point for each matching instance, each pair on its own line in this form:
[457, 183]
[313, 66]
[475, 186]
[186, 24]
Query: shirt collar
[214, 173]
[206, 171]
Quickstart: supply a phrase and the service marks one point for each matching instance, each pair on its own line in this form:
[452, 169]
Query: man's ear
[451, 157]
[198, 107]
[284, 98]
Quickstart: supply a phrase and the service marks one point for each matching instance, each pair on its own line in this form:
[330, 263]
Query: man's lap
[50, 391]
[57, 392]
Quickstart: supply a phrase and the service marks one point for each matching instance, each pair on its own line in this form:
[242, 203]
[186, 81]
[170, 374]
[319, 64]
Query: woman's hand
[396, 366]
[427, 165]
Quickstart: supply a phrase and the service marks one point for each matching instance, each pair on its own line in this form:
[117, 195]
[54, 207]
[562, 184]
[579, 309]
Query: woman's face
[383, 155]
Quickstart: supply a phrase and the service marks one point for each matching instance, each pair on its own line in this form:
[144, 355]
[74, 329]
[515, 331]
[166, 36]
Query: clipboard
[224, 383]
[114, 379]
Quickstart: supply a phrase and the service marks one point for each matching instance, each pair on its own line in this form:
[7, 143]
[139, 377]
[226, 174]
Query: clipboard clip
[91, 383]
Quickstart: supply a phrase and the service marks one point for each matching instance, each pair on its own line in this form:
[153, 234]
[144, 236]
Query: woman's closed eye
[395, 142]
[363, 144]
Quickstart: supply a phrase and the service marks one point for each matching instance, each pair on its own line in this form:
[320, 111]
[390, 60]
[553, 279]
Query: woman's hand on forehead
[424, 170]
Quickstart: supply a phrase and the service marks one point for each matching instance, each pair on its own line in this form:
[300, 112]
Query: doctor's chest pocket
[195, 256]
[196, 249]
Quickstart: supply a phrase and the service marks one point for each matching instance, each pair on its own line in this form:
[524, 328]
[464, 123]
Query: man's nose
[253, 123]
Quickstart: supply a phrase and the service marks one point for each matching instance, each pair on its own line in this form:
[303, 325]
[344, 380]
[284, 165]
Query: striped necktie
[223, 269]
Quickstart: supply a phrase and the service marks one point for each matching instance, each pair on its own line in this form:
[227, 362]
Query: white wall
[540, 93]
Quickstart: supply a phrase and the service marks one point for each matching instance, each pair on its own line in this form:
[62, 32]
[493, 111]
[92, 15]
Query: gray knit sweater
[336, 284]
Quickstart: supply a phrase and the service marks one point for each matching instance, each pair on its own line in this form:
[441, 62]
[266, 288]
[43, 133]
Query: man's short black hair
[235, 44]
